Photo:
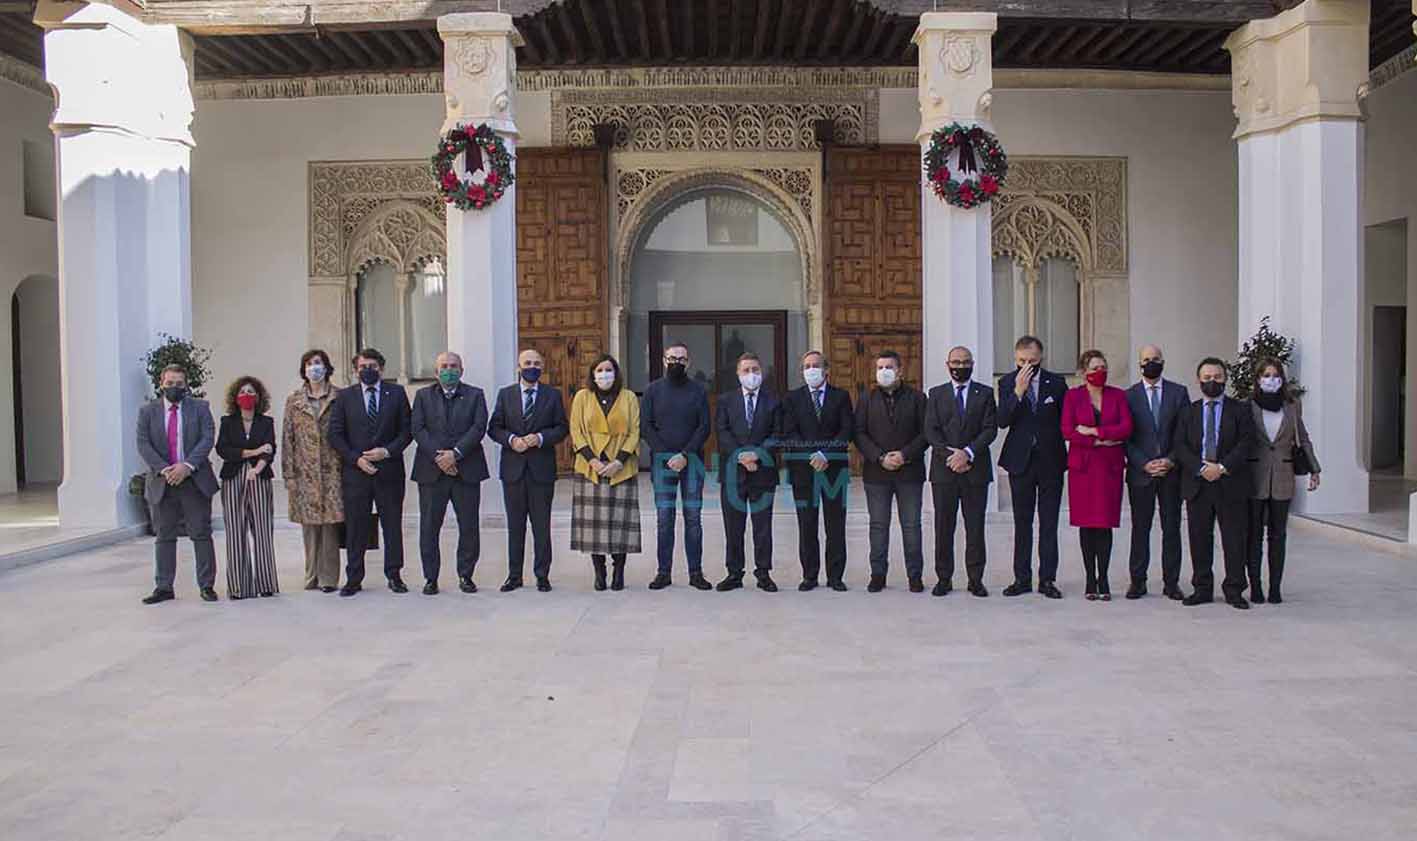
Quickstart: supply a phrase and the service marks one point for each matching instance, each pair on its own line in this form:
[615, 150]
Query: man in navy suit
[960, 423]
[528, 421]
[370, 426]
[747, 423]
[817, 425]
[1034, 455]
[1152, 480]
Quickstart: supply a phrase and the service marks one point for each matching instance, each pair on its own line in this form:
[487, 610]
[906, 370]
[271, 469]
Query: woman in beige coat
[1280, 436]
[311, 470]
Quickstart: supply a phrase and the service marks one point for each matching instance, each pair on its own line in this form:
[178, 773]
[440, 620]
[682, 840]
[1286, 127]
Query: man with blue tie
[1152, 480]
[528, 421]
[747, 423]
[1212, 447]
[1035, 457]
[960, 424]
[370, 426]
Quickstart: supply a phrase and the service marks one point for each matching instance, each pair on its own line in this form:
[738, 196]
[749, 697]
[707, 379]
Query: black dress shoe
[878, 583]
[1238, 603]
[267, 594]
[328, 589]
[208, 594]
[917, 586]
[732, 582]
[511, 584]
[234, 597]
[1017, 589]
[396, 584]
[159, 596]
[976, 588]
[350, 589]
[543, 584]
[466, 584]
[1136, 591]
[430, 588]
[1172, 592]
[1274, 596]
[1257, 594]
[942, 588]
[1047, 589]
[807, 585]
[766, 584]
[1197, 598]
[838, 585]
[661, 581]
[698, 582]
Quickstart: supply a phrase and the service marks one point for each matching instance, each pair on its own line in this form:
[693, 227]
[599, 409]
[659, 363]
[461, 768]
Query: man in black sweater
[674, 421]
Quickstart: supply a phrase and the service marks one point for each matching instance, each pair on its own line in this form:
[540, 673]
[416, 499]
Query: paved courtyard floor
[688, 716]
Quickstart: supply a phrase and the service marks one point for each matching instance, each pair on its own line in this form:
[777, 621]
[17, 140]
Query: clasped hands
[522, 443]
[368, 461]
[1091, 431]
[447, 461]
[605, 469]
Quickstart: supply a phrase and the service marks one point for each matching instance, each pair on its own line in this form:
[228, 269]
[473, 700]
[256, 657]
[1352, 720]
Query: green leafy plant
[1264, 344]
[175, 351]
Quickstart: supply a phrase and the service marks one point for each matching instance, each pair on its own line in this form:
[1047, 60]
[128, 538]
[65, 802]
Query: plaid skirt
[605, 518]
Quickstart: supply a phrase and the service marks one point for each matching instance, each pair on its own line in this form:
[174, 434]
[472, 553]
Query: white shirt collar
[169, 405]
[747, 393]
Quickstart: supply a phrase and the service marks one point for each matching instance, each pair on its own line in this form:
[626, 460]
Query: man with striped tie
[370, 426]
[817, 425]
[529, 420]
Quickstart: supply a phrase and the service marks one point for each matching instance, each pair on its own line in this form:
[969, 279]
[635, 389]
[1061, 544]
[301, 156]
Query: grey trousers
[184, 504]
[321, 554]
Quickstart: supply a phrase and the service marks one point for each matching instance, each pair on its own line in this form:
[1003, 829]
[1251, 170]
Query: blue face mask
[531, 375]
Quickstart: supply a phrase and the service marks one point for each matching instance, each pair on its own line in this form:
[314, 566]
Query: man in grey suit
[175, 438]
[1152, 480]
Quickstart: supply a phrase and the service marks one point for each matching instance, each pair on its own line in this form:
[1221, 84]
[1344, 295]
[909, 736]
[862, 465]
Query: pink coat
[1095, 473]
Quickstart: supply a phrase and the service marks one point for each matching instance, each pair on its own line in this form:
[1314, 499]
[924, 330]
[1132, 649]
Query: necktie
[817, 401]
[1153, 399]
[751, 401]
[959, 399]
[371, 405]
[528, 403]
[1212, 423]
[172, 432]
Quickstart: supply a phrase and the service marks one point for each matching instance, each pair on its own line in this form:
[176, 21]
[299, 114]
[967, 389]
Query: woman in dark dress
[246, 443]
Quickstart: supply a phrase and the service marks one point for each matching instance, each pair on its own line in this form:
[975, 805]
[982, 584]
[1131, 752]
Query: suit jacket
[456, 424]
[1084, 455]
[976, 429]
[548, 419]
[735, 433]
[1035, 437]
[1233, 449]
[231, 439]
[804, 433]
[878, 433]
[1272, 463]
[1150, 438]
[198, 438]
[351, 432]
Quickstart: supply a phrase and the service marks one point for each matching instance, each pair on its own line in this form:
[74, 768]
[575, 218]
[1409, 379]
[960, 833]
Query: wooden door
[562, 295]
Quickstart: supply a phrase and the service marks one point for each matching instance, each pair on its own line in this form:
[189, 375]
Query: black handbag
[1300, 459]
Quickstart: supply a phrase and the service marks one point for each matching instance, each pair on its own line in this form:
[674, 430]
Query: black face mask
[962, 374]
[175, 393]
[368, 376]
[678, 372]
[1152, 369]
[1212, 389]
[1269, 401]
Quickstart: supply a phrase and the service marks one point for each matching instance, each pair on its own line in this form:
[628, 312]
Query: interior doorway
[1388, 433]
[17, 386]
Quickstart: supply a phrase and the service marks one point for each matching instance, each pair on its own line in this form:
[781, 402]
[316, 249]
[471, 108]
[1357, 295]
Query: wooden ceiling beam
[853, 33]
[256, 59]
[809, 23]
[217, 52]
[1044, 34]
[1061, 38]
[665, 37]
[713, 27]
[642, 22]
[413, 47]
[1205, 45]
[1077, 44]
[733, 30]
[548, 41]
[355, 58]
[592, 29]
[1126, 42]
[760, 32]
[1109, 36]
[390, 45]
[898, 42]
[873, 38]
[528, 48]
[839, 10]
[1008, 40]
[1142, 45]
[573, 39]
[1163, 47]
[313, 58]
[690, 48]
[356, 45]
[612, 11]
[432, 42]
[785, 21]
[1181, 47]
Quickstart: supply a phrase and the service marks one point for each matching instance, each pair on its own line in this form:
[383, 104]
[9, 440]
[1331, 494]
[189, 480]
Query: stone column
[479, 83]
[123, 96]
[1296, 78]
[956, 80]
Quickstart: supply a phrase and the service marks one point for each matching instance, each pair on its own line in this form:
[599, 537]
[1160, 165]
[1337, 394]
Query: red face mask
[247, 402]
[1097, 377]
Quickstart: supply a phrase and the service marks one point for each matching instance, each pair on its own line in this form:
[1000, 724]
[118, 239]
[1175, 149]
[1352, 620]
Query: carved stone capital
[1306, 63]
[956, 76]
[480, 70]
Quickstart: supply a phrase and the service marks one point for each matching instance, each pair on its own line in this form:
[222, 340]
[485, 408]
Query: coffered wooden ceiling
[245, 38]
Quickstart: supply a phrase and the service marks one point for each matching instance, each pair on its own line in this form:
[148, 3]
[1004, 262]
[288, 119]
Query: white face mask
[315, 373]
[750, 381]
[1271, 385]
[885, 376]
[814, 377]
[604, 380]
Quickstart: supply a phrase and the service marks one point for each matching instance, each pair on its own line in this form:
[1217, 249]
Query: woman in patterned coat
[311, 470]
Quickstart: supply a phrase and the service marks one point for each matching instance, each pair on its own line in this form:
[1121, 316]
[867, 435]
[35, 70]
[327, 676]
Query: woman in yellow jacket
[605, 433]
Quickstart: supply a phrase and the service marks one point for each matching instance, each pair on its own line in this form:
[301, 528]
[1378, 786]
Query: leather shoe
[1196, 598]
[698, 582]
[766, 584]
[1275, 597]
[543, 584]
[917, 586]
[1238, 603]
[839, 586]
[878, 583]
[159, 596]
[1047, 589]
[466, 584]
[511, 584]
[396, 584]
[1173, 593]
[976, 588]
[1018, 589]
[661, 581]
[208, 594]
[350, 589]
[732, 582]
[942, 588]
[806, 585]
[1136, 591]
[430, 588]
[328, 589]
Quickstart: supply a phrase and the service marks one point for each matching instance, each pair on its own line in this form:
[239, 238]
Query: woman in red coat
[1096, 423]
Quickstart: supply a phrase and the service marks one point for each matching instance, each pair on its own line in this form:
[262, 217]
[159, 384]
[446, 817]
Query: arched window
[404, 316]
[1043, 302]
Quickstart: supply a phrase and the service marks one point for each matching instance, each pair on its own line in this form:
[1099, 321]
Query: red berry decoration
[979, 165]
[487, 154]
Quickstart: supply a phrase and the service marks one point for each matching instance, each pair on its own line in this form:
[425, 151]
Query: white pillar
[479, 83]
[1296, 78]
[121, 126]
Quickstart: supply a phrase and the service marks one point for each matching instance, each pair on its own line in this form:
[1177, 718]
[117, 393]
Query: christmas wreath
[487, 162]
[965, 165]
